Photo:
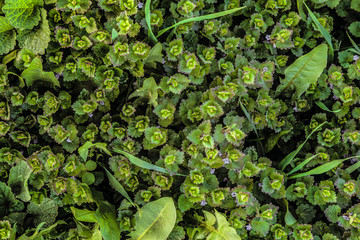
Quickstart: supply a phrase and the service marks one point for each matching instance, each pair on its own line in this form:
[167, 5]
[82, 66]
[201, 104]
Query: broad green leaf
[106, 217]
[155, 55]
[7, 36]
[289, 218]
[34, 73]
[325, 33]
[83, 215]
[301, 165]
[319, 170]
[259, 146]
[155, 220]
[151, 35]
[287, 160]
[325, 108]
[201, 18]
[117, 186]
[23, 14]
[36, 40]
[84, 149]
[18, 178]
[114, 34]
[305, 71]
[273, 139]
[11, 56]
[223, 230]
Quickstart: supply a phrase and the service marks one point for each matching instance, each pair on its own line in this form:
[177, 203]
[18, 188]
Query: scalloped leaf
[7, 36]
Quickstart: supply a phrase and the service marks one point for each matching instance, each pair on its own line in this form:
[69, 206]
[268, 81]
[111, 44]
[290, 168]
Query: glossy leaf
[83, 215]
[106, 217]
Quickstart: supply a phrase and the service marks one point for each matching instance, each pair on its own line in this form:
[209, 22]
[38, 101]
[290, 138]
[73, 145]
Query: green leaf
[357, 48]
[325, 108]
[223, 231]
[118, 187]
[141, 163]
[148, 90]
[301, 165]
[325, 33]
[289, 218]
[319, 170]
[18, 178]
[354, 28]
[35, 73]
[155, 55]
[84, 149]
[273, 139]
[36, 40]
[305, 71]
[151, 35]
[114, 34]
[300, 4]
[287, 160]
[259, 146]
[155, 220]
[106, 217]
[7, 36]
[23, 14]
[353, 167]
[83, 215]
[200, 18]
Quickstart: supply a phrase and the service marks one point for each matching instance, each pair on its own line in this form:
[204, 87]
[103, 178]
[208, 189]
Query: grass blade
[118, 187]
[287, 160]
[354, 44]
[353, 167]
[141, 163]
[325, 33]
[325, 108]
[301, 165]
[197, 19]
[151, 35]
[322, 168]
[260, 147]
[300, 9]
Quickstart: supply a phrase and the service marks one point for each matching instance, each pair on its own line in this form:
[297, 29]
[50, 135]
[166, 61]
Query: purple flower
[203, 203]
[35, 141]
[91, 115]
[233, 194]
[140, 5]
[295, 109]
[248, 227]
[331, 86]
[355, 57]
[346, 218]
[163, 60]
[260, 184]
[225, 179]
[265, 69]
[212, 171]
[226, 160]
[335, 97]
[68, 140]
[102, 103]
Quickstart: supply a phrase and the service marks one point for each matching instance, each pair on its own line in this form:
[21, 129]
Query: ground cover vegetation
[186, 119]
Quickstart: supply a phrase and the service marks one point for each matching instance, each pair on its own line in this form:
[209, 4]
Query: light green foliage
[155, 220]
[305, 71]
[7, 36]
[19, 176]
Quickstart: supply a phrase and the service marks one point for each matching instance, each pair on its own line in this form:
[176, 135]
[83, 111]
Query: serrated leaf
[83, 215]
[305, 71]
[7, 36]
[155, 220]
[106, 217]
[18, 178]
[23, 14]
[36, 40]
[35, 73]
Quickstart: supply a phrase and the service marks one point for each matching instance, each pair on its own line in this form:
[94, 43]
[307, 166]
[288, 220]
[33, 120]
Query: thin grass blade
[288, 159]
[260, 147]
[302, 14]
[301, 165]
[354, 44]
[325, 108]
[200, 18]
[118, 187]
[141, 163]
[325, 33]
[353, 167]
[151, 35]
[319, 170]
